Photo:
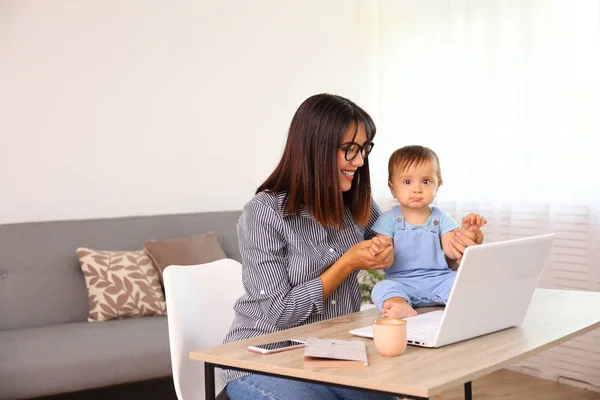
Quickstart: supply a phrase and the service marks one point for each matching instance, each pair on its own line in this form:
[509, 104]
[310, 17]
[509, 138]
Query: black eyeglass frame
[363, 150]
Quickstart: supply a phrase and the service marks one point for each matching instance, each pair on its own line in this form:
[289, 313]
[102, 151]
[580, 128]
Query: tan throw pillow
[192, 250]
[121, 284]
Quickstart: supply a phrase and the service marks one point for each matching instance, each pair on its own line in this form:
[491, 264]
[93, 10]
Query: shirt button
[4, 275]
[262, 292]
[331, 250]
[333, 302]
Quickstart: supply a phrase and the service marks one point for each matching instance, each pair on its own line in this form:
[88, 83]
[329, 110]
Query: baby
[423, 236]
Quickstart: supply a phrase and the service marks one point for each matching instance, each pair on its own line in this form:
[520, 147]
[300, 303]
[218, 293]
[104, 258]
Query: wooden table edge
[485, 371]
[197, 355]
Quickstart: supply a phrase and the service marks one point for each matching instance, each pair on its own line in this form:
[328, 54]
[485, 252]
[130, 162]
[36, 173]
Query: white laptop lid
[493, 287]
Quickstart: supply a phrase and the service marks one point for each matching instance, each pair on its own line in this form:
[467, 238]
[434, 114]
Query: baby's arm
[447, 239]
[467, 222]
[384, 228]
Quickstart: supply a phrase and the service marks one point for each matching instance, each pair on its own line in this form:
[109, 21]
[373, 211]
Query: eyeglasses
[352, 149]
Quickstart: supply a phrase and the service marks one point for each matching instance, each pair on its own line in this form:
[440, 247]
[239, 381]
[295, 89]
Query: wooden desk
[554, 317]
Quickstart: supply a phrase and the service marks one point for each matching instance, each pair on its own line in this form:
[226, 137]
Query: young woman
[304, 237]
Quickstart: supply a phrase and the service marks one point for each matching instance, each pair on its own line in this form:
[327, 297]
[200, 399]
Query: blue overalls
[420, 273]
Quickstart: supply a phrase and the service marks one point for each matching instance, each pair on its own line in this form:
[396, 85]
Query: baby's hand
[379, 243]
[397, 307]
[374, 250]
[472, 220]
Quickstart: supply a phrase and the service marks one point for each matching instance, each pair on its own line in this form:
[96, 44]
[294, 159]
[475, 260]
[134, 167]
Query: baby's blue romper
[420, 273]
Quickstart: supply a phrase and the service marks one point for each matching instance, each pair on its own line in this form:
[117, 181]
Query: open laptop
[492, 291]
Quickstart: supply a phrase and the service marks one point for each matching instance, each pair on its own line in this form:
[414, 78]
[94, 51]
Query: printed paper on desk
[334, 353]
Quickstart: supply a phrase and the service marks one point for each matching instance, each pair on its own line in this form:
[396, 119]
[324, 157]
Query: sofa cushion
[192, 250]
[121, 284]
[77, 356]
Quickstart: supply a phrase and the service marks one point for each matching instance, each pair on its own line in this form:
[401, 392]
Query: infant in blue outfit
[423, 236]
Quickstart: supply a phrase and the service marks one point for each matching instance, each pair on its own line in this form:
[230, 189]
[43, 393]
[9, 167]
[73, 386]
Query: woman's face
[347, 169]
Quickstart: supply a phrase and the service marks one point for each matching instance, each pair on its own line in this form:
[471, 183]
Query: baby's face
[416, 186]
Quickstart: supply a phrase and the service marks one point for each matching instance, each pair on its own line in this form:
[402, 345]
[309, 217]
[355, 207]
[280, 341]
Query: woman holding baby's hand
[303, 238]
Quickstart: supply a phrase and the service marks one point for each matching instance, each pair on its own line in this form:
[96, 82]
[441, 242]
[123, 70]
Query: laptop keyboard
[427, 331]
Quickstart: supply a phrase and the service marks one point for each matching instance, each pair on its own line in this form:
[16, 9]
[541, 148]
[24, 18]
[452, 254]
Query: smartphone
[276, 347]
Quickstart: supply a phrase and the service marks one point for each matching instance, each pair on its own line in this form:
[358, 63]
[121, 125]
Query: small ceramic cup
[389, 335]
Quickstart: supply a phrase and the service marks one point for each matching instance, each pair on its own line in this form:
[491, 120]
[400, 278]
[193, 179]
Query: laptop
[492, 291]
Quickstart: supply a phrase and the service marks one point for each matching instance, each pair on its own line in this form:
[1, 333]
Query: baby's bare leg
[397, 307]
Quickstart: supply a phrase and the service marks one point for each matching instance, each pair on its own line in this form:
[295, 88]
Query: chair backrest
[200, 302]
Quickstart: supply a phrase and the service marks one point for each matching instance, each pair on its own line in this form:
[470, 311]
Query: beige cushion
[121, 284]
[192, 250]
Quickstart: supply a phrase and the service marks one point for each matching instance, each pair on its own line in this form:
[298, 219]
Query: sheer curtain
[508, 94]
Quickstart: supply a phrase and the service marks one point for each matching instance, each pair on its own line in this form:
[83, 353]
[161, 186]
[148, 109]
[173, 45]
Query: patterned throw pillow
[121, 284]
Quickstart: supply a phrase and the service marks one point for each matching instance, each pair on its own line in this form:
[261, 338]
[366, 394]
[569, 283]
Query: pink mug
[389, 335]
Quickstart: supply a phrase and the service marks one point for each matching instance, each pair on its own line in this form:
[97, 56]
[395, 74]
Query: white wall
[113, 108]
[507, 94]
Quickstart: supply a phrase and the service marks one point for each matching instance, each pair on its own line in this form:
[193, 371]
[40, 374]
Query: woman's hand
[362, 256]
[359, 256]
[463, 239]
[379, 243]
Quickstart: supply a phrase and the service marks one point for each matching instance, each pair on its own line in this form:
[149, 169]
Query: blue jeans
[261, 387]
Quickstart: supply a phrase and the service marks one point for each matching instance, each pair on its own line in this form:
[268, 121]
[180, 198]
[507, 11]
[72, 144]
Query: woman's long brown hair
[308, 172]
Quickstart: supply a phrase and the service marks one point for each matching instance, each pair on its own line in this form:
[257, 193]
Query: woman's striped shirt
[283, 256]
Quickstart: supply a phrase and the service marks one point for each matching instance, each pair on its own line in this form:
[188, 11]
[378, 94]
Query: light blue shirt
[386, 223]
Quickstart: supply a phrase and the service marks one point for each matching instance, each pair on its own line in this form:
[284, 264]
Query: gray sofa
[46, 345]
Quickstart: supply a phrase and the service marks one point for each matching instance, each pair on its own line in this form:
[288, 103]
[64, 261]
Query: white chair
[200, 302]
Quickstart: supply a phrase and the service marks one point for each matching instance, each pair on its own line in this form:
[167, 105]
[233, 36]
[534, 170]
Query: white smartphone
[276, 347]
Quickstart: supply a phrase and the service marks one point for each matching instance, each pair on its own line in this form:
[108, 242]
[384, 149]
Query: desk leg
[468, 393]
[209, 381]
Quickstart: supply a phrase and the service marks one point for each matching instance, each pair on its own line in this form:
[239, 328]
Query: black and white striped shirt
[283, 256]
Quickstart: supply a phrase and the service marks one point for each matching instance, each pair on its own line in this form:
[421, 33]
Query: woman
[304, 237]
